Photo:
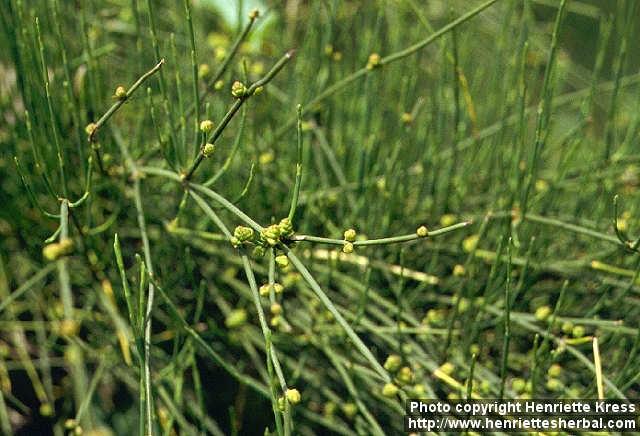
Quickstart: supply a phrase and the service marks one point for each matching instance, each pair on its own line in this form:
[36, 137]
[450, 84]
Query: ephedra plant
[212, 250]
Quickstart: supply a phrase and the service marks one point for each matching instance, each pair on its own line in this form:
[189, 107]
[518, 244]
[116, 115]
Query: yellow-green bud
[281, 405]
[208, 149]
[405, 375]
[243, 233]
[347, 248]
[554, 370]
[120, 93]
[422, 231]
[238, 90]
[70, 424]
[206, 126]
[567, 327]
[259, 251]
[68, 327]
[203, 70]
[459, 270]
[406, 118]
[350, 235]
[275, 321]
[329, 408]
[286, 227]
[373, 61]
[447, 219]
[474, 348]
[392, 363]
[519, 385]
[282, 261]
[349, 410]
[258, 90]
[463, 305]
[435, 316]
[276, 309]
[90, 128]
[264, 289]
[553, 384]
[254, 14]
[293, 396]
[578, 331]
[271, 234]
[390, 390]
[542, 313]
[218, 85]
[56, 250]
[46, 409]
[418, 390]
[470, 243]
[236, 318]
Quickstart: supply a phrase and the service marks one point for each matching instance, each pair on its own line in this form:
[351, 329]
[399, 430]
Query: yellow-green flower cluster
[242, 234]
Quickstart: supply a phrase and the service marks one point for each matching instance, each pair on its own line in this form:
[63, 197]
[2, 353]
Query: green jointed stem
[112, 110]
[235, 107]
[298, 182]
[125, 283]
[382, 241]
[507, 323]
[52, 118]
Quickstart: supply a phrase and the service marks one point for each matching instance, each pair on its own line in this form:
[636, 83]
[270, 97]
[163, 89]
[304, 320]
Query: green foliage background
[522, 119]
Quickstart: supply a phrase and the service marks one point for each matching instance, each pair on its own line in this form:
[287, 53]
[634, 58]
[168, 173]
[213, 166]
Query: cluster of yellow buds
[90, 128]
[206, 126]
[120, 93]
[282, 261]
[349, 238]
[238, 89]
[275, 233]
[241, 234]
[266, 288]
[271, 235]
[208, 149]
[405, 375]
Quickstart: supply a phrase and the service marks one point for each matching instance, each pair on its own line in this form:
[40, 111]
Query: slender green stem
[382, 241]
[122, 100]
[507, 323]
[298, 182]
[234, 109]
[52, 118]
